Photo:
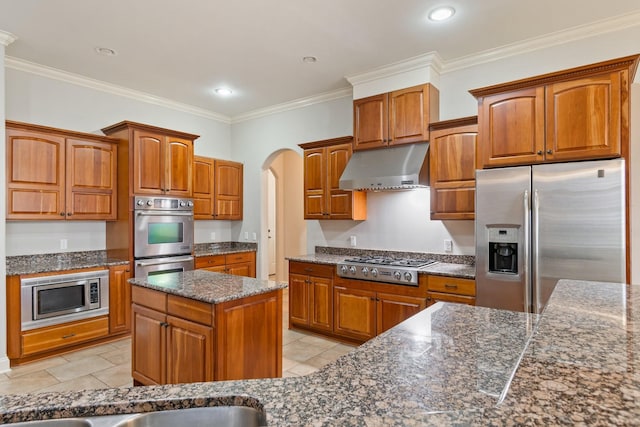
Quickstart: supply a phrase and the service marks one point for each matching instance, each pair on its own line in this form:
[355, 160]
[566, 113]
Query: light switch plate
[352, 240]
[448, 245]
[246, 235]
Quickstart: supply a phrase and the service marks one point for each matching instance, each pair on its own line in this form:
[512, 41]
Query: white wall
[45, 101]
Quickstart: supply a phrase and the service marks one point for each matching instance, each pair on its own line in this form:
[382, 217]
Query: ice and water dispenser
[503, 250]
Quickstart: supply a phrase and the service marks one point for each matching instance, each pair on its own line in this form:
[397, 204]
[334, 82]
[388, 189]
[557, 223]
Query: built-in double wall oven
[162, 235]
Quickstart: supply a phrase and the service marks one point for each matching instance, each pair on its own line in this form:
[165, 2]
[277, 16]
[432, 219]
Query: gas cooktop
[402, 271]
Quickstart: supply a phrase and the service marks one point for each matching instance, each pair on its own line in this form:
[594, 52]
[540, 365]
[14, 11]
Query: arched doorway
[282, 217]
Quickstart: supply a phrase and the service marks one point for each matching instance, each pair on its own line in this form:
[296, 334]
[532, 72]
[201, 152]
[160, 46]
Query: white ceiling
[182, 50]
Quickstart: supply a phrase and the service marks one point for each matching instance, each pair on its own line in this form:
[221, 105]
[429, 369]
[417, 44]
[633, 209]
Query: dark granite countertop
[223, 248]
[451, 364]
[207, 286]
[45, 263]
[447, 265]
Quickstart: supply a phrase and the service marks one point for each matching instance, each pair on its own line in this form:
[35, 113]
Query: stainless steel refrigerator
[538, 224]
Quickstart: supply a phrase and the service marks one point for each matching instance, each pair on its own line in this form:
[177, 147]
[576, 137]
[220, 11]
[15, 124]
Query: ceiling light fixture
[223, 91]
[441, 13]
[309, 59]
[105, 51]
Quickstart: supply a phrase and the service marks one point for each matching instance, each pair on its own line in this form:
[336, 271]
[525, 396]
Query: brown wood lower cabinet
[238, 264]
[175, 339]
[311, 296]
[451, 289]
[363, 314]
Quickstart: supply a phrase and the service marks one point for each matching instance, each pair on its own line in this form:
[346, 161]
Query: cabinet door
[228, 190]
[434, 297]
[298, 299]
[370, 122]
[452, 168]
[355, 313]
[91, 180]
[315, 182]
[35, 175]
[189, 351]
[203, 176]
[119, 299]
[339, 201]
[244, 351]
[511, 128]
[321, 303]
[409, 115]
[149, 363]
[245, 269]
[178, 167]
[148, 163]
[584, 117]
[393, 309]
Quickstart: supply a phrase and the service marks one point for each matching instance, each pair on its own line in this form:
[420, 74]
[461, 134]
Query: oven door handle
[155, 213]
[163, 261]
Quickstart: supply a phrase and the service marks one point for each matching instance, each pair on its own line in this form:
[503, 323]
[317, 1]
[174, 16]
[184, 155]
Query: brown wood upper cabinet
[55, 174]
[452, 167]
[217, 189]
[398, 117]
[160, 160]
[324, 162]
[581, 113]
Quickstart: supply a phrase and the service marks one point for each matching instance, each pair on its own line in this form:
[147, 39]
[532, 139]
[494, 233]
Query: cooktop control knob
[397, 275]
[352, 270]
[190, 203]
[140, 202]
[344, 269]
[183, 203]
[365, 271]
[149, 202]
[408, 276]
[374, 272]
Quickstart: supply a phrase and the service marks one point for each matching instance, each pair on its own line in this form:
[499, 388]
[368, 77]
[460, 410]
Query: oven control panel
[162, 203]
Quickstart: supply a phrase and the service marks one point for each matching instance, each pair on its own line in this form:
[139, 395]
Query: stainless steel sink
[214, 416]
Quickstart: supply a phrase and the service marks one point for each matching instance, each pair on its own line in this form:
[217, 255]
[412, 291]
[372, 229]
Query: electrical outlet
[448, 245]
[254, 236]
[213, 236]
[352, 240]
[246, 235]
[63, 243]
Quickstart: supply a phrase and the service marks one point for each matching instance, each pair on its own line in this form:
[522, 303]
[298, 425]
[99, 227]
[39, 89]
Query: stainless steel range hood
[397, 168]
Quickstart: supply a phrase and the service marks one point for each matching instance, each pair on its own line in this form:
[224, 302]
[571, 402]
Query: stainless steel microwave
[63, 298]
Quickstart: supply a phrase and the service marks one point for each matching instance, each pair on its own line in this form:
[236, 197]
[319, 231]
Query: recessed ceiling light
[309, 59]
[105, 51]
[441, 13]
[223, 91]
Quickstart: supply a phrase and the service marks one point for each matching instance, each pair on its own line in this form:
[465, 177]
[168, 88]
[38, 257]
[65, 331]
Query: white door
[271, 222]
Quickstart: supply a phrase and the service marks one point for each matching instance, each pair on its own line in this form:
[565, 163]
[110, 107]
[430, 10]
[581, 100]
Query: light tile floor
[109, 365]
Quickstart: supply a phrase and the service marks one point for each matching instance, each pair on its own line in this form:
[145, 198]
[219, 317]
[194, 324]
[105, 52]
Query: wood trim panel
[453, 123]
[326, 142]
[14, 318]
[11, 124]
[125, 124]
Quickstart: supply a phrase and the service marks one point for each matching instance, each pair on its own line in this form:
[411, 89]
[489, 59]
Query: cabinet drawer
[149, 298]
[310, 269]
[196, 311]
[209, 261]
[434, 297]
[239, 257]
[452, 285]
[58, 336]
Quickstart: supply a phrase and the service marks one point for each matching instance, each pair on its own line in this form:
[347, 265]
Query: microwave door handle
[154, 213]
[163, 261]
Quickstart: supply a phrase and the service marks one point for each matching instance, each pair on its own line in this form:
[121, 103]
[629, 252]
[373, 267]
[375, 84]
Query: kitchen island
[450, 364]
[203, 326]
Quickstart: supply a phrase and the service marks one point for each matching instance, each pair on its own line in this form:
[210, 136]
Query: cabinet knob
[61, 213]
[549, 151]
[539, 153]
[68, 213]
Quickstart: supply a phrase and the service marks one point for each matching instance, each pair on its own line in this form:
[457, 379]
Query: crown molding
[430, 59]
[53, 73]
[292, 105]
[7, 38]
[580, 32]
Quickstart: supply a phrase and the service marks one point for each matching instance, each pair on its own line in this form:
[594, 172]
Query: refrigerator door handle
[534, 262]
[527, 233]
